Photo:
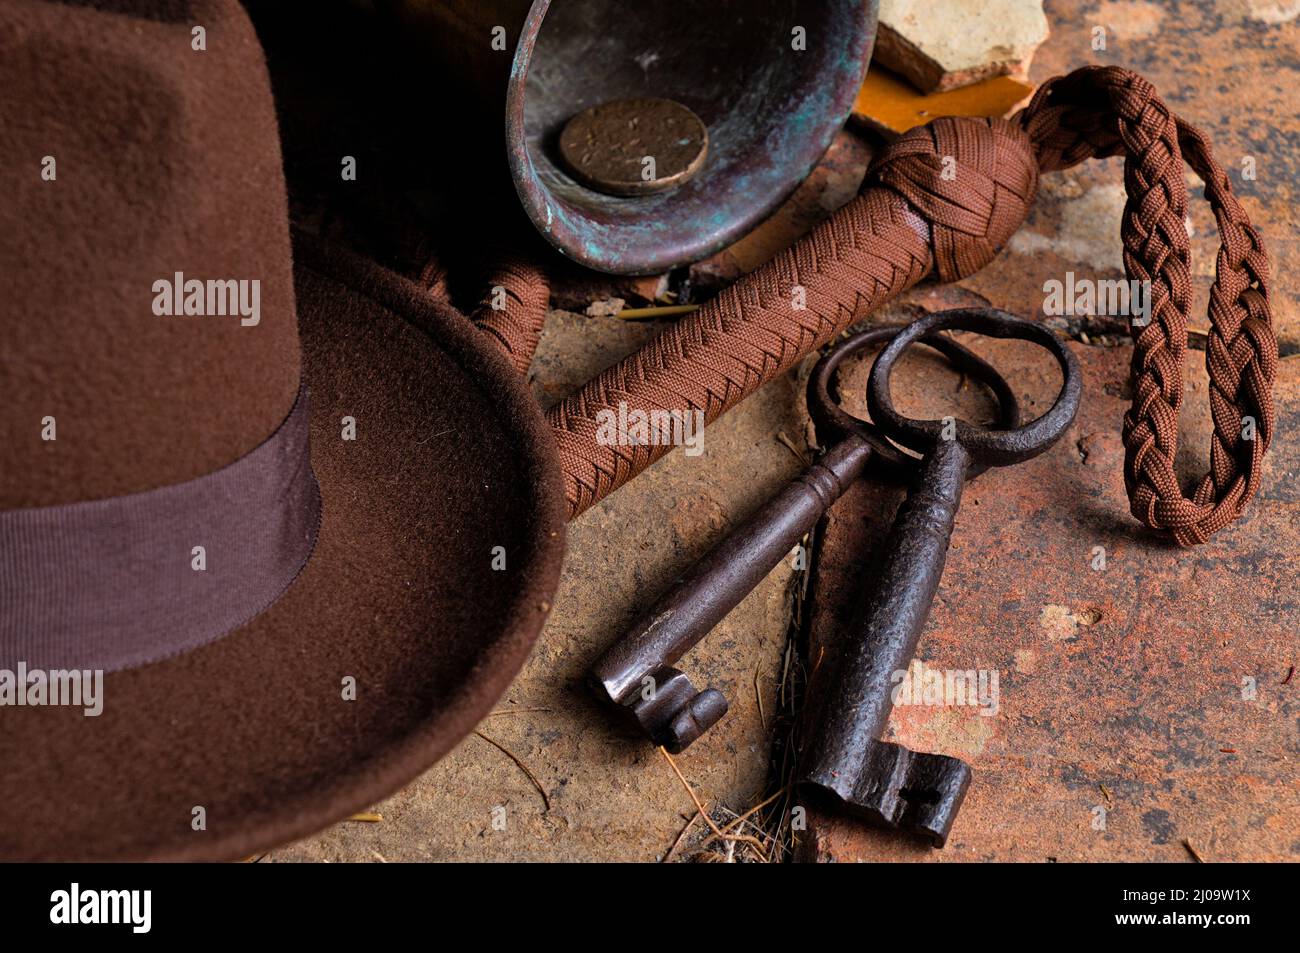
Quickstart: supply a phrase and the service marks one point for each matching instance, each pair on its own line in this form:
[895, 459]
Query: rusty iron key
[843, 759]
[636, 674]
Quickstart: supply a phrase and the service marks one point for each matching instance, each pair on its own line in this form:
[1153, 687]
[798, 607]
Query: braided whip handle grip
[913, 212]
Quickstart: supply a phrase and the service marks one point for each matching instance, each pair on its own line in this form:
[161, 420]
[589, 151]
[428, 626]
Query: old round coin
[634, 146]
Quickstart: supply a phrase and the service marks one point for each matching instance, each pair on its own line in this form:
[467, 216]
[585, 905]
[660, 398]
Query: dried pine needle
[546, 798]
[717, 831]
[664, 311]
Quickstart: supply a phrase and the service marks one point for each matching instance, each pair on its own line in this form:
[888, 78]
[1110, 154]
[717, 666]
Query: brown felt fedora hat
[275, 529]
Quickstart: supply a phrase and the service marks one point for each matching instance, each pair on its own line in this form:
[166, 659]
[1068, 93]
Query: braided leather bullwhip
[914, 214]
[512, 307]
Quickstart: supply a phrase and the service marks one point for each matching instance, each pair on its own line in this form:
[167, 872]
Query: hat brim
[451, 458]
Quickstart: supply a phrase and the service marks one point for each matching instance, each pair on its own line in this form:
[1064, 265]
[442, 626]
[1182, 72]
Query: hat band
[122, 582]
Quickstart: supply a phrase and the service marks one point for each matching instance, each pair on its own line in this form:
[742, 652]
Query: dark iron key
[843, 759]
[637, 674]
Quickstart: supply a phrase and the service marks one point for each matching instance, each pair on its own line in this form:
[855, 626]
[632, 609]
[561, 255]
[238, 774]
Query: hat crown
[150, 335]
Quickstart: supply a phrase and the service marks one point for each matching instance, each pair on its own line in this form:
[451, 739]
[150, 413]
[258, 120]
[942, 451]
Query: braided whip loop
[1104, 111]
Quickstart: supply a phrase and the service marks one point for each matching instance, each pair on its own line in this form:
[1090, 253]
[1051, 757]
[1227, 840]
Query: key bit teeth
[935, 788]
[702, 713]
[901, 789]
[674, 714]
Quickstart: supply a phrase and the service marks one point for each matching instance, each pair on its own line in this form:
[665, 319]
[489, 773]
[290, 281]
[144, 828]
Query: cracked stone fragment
[960, 44]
